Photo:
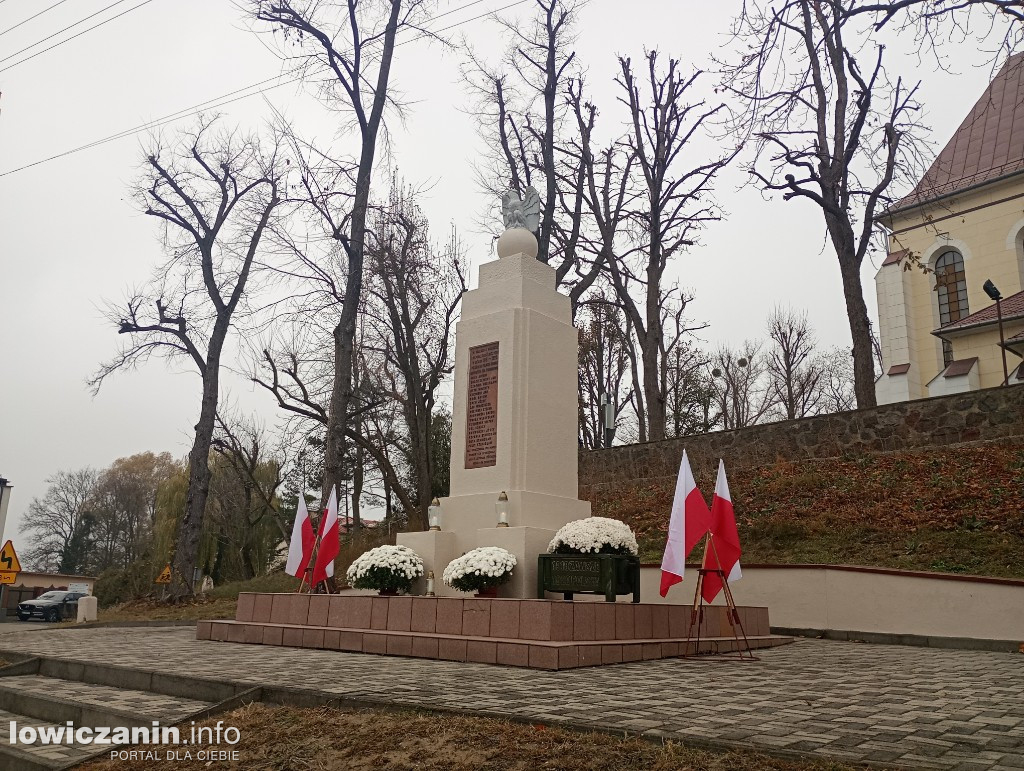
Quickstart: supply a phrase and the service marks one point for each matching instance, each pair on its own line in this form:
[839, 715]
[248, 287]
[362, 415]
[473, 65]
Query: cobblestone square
[913, 707]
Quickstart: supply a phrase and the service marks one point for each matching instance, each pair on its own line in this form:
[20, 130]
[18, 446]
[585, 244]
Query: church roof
[989, 143]
[1013, 308]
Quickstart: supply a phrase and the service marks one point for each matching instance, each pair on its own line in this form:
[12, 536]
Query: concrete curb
[124, 624]
[915, 640]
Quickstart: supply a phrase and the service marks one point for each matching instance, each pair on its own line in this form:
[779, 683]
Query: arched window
[951, 286]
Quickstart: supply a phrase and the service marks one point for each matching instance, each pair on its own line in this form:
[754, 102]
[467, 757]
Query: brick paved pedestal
[541, 634]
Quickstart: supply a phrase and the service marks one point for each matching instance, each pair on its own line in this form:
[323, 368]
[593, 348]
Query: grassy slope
[222, 600]
[274, 738]
[958, 510]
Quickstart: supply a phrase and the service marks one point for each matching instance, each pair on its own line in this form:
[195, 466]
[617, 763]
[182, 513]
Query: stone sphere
[517, 241]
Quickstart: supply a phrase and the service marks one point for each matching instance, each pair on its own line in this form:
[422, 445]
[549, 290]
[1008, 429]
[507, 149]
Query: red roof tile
[960, 367]
[894, 257]
[1013, 308]
[989, 143]
[899, 369]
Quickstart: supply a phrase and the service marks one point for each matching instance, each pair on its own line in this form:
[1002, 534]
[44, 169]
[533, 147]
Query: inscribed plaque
[482, 406]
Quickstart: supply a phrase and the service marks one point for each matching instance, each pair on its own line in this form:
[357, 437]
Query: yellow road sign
[165, 576]
[9, 559]
[8, 576]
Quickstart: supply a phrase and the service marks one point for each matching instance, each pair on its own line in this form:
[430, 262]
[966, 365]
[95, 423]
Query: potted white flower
[596, 555]
[388, 569]
[481, 570]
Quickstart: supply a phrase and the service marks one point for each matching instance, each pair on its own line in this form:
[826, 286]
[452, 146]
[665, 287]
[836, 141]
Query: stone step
[536, 654]
[496, 618]
[37, 757]
[86, 704]
[43, 702]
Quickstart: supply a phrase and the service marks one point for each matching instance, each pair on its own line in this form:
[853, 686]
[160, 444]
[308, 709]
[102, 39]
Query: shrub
[478, 569]
[594, 535]
[386, 568]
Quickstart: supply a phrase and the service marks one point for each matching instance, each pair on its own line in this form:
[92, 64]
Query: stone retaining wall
[988, 415]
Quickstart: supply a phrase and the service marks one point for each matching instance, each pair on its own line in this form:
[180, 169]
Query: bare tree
[407, 321]
[829, 126]
[58, 523]
[738, 375]
[605, 340]
[520, 108]
[837, 381]
[414, 294]
[214, 193]
[603, 181]
[935, 21]
[674, 204]
[354, 42]
[795, 374]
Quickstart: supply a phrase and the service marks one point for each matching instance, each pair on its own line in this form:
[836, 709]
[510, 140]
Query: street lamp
[5, 499]
[993, 292]
[607, 419]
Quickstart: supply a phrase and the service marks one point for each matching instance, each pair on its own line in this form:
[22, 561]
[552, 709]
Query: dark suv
[52, 606]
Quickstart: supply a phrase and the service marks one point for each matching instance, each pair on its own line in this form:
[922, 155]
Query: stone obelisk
[515, 415]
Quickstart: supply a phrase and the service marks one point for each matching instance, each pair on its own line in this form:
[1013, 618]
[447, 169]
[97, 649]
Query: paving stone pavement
[911, 707]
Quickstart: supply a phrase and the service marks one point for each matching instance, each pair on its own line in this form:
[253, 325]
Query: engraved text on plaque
[482, 407]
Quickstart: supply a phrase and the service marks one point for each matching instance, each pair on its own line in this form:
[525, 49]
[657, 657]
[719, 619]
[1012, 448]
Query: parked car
[52, 606]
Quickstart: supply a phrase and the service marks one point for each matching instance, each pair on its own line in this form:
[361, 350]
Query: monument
[514, 450]
[515, 412]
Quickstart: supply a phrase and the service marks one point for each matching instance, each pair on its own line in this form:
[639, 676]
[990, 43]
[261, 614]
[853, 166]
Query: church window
[951, 287]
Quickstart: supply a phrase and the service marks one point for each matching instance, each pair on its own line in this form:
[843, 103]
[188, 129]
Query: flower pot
[490, 592]
[388, 592]
[607, 574]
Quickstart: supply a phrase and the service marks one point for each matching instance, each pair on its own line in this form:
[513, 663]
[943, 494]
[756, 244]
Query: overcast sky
[70, 238]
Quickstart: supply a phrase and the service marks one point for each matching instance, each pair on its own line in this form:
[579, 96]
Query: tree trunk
[186, 550]
[345, 331]
[860, 330]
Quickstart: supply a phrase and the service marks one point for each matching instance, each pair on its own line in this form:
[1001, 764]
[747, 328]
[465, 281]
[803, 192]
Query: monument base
[461, 520]
[541, 634]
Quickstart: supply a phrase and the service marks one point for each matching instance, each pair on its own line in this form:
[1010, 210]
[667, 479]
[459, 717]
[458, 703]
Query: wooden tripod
[743, 651]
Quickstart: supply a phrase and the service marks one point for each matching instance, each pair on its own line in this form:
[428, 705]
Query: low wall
[988, 415]
[870, 601]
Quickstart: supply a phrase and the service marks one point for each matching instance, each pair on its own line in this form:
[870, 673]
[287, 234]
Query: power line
[36, 16]
[210, 103]
[61, 31]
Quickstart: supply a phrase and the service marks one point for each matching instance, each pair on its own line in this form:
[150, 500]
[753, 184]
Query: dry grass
[154, 610]
[275, 738]
[955, 510]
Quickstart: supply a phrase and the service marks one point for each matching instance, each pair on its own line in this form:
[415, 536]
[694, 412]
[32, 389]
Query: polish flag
[301, 547]
[726, 539]
[689, 521]
[330, 545]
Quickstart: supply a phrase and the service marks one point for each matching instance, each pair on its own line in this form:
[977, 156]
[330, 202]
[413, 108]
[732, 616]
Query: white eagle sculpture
[523, 213]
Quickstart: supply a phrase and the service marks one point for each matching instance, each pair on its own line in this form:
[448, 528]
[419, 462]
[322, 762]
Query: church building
[961, 227]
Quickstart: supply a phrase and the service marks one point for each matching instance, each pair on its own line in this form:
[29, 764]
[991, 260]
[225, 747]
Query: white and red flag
[689, 521]
[330, 544]
[726, 539]
[301, 547]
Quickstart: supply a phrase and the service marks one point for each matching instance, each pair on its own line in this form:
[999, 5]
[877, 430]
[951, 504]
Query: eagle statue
[524, 213]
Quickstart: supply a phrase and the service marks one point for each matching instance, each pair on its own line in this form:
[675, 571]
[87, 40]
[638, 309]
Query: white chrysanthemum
[399, 559]
[592, 534]
[486, 561]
